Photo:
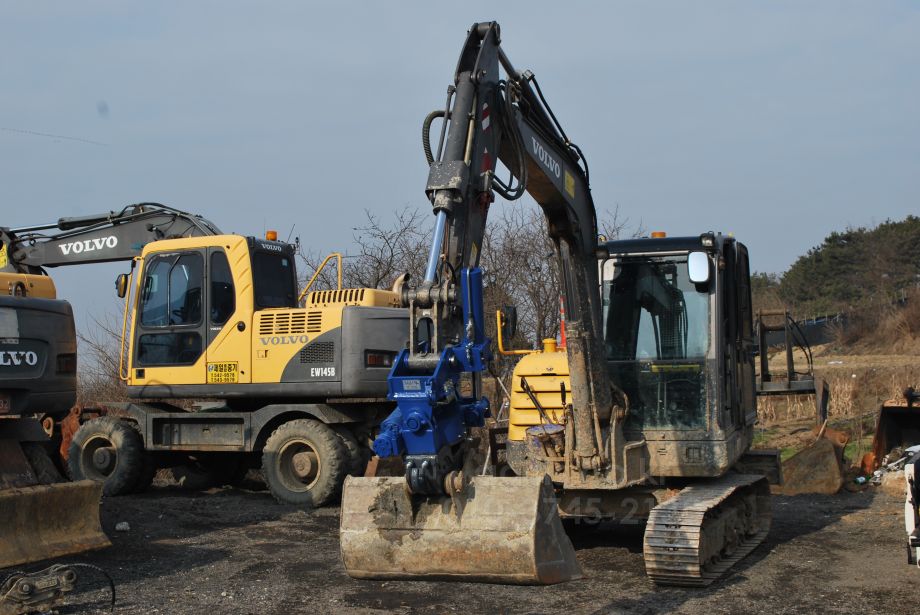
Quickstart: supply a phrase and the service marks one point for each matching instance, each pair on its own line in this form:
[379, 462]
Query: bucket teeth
[498, 530]
[47, 521]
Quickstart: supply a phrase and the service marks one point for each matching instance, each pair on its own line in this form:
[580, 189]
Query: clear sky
[777, 121]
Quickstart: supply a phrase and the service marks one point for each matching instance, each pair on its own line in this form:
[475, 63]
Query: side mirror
[509, 322]
[121, 285]
[698, 267]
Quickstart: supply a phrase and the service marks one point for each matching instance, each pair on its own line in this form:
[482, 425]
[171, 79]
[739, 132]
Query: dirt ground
[235, 550]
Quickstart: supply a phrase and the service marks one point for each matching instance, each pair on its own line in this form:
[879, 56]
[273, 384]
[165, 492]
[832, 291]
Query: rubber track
[672, 536]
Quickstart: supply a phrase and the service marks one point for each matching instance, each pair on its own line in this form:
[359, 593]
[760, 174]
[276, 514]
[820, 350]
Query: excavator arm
[112, 236]
[495, 113]
[444, 520]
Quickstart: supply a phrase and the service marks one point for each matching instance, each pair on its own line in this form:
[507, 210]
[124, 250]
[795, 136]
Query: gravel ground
[237, 551]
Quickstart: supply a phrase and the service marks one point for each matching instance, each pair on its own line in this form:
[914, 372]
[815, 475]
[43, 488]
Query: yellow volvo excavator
[647, 415]
[290, 380]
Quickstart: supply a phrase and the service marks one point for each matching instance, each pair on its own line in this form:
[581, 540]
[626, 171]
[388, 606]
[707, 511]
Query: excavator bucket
[897, 427]
[45, 521]
[497, 530]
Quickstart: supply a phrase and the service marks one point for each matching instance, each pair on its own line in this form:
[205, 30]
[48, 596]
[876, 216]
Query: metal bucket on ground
[46, 521]
[497, 530]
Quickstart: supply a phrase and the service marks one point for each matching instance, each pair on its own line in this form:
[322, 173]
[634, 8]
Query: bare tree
[613, 226]
[99, 361]
[384, 251]
[520, 269]
[518, 260]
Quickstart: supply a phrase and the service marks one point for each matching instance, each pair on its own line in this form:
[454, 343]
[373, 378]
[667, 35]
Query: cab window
[171, 300]
[273, 280]
[223, 297]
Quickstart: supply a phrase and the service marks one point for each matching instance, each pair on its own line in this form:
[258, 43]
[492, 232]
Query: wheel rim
[298, 465]
[99, 458]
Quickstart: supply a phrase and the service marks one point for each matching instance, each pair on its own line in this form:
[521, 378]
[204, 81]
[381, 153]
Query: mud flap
[47, 521]
[498, 530]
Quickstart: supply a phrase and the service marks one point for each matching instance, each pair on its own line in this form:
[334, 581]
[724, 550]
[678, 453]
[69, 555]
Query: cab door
[170, 334]
[746, 336]
[228, 343]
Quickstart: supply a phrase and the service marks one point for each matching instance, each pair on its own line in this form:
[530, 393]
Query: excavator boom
[100, 238]
[446, 520]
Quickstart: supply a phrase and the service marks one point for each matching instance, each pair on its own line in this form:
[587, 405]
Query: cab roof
[211, 241]
[644, 245]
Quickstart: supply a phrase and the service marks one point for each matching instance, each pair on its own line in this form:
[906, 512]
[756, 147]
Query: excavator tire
[304, 462]
[110, 451]
[148, 466]
[42, 465]
[358, 455]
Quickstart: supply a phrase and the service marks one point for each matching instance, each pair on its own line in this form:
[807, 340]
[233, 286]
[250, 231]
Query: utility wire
[52, 136]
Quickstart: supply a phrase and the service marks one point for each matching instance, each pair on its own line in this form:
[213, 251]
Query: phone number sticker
[222, 373]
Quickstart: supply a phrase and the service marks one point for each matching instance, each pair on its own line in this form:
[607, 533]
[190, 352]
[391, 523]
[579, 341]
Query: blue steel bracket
[430, 413]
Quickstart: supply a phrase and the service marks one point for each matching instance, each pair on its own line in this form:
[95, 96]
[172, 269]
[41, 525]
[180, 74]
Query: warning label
[222, 373]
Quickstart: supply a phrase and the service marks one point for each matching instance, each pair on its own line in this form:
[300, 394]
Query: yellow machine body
[27, 285]
[250, 349]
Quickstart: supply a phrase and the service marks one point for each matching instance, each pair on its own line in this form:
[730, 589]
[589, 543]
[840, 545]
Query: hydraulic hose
[426, 133]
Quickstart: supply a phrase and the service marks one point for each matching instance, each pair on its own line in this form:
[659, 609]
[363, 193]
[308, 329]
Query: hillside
[870, 275]
[849, 270]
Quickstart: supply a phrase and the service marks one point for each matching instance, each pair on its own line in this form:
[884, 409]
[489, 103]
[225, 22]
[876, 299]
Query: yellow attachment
[546, 373]
[338, 257]
[497, 530]
[27, 285]
[48, 521]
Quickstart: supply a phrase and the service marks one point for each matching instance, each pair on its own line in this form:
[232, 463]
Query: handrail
[501, 343]
[122, 368]
[338, 257]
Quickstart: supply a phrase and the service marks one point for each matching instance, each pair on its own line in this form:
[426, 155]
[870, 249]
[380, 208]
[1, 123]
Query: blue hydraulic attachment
[431, 415]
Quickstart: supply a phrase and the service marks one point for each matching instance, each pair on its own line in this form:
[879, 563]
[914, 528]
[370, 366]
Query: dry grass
[882, 329]
[858, 386]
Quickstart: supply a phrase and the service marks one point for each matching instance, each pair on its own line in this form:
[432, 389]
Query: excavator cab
[656, 325]
[676, 315]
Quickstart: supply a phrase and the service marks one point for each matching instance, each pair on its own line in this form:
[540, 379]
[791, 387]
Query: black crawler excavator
[647, 414]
